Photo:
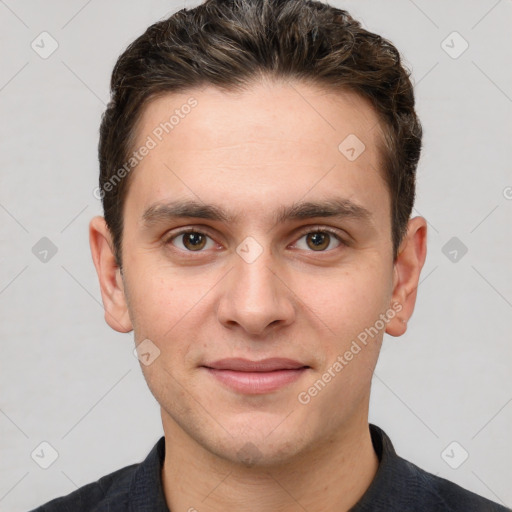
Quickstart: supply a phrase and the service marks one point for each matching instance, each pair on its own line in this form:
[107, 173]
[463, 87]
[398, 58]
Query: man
[257, 172]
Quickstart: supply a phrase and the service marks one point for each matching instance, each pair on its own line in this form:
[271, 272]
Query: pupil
[318, 239]
[194, 239]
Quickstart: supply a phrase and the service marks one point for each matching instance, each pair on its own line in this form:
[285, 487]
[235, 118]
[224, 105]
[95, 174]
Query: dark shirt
[398, 486]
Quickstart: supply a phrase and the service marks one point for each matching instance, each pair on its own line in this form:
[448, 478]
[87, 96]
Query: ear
[109, 274]
[406, 274]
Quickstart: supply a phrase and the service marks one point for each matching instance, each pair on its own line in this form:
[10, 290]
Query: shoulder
[109, 493]
[401, 485]
[448, 496]
[129, 488]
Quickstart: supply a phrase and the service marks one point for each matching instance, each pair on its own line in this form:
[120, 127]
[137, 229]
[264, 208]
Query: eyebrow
[339, 208]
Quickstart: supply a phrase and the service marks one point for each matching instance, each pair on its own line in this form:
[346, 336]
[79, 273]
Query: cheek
[154, 302]
[346, 304]
[168, 307]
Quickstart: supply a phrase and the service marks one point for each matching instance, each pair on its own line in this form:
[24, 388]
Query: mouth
[256, 377]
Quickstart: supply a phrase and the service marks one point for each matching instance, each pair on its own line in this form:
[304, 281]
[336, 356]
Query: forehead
[272, 109]
[286, 138]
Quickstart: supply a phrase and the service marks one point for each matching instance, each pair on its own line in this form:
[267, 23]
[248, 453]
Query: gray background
[68, 379]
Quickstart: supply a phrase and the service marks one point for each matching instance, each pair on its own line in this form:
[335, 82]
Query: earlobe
[109, 275]
[406, 273]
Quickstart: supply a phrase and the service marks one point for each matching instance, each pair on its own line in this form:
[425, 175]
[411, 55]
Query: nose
[256, 297]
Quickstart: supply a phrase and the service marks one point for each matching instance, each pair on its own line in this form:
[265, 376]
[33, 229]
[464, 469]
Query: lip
[256, 377]
[264, 365]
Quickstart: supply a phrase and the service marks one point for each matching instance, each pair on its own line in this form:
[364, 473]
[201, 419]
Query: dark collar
[397, 485]
[382, 490]
[146, 491]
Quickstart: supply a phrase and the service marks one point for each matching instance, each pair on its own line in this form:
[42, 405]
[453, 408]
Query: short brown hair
[229, 44]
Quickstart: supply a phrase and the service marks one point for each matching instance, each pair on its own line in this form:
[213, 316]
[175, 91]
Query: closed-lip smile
[256, 377]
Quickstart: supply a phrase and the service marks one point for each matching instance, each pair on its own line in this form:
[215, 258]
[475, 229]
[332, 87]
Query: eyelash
[306, 231]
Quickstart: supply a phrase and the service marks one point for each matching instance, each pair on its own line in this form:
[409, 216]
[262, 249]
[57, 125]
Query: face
[280, 248]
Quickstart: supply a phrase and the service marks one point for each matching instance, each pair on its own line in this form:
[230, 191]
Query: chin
[257, 450]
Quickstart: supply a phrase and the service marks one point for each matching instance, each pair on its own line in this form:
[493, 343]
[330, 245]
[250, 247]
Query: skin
[253, 152]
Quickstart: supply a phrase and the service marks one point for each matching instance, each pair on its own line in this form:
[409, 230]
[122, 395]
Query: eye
[191, 240]
[317, 239]
[320, 239]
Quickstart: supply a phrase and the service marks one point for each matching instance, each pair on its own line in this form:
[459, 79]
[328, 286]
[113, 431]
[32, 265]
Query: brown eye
[194, 241]
[319, 240]
[190, 241]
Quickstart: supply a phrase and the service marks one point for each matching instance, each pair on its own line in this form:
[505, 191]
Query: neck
[328, 478]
